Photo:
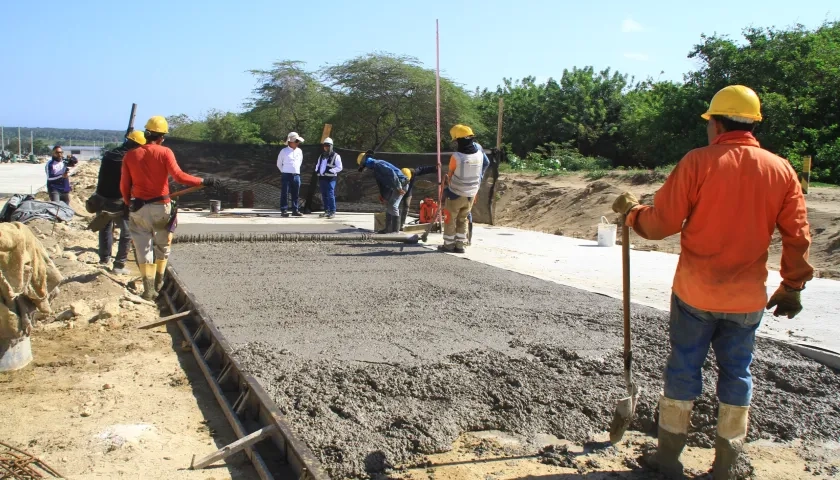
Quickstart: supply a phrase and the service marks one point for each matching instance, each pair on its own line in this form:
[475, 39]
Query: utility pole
[18, 141]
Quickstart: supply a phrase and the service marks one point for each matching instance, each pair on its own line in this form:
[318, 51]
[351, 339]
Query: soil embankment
[572, 205]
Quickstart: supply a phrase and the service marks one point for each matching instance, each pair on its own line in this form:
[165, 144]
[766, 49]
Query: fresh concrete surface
[21, 178]
[583, 264]
[378, 354]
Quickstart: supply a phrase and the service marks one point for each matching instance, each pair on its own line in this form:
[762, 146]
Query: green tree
[387, 102]
[40, 147]
[227, 127]
[182, 126]
[289, 98]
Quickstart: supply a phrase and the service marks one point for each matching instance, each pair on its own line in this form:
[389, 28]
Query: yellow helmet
[406, 172]
[737, 102]
[360, 158]
[461, 131]
[137, 136]
[157, 124]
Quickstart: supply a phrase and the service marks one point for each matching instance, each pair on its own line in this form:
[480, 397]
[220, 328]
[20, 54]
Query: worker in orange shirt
[725, 200]
[144, 186]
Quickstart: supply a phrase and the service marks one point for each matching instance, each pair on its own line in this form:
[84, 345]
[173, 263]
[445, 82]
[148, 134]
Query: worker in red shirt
[725, 200]
[144, 185]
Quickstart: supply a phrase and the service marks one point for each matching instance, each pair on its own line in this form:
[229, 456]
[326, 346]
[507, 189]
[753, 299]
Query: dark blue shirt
[55, 177]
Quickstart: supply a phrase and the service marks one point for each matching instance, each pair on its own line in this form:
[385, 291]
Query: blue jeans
[392, 202]
[327, 185]
[731, 335]
[291, 181]
[106, 243]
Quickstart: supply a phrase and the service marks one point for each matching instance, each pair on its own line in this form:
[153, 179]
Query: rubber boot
[160, 272]
[729, 444]
[147, 270]
[395, 224]
[674, 419]
[387, 225]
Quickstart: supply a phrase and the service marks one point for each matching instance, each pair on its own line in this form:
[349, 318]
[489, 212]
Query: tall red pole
[437, 106]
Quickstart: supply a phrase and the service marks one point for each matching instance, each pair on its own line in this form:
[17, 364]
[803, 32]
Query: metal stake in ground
[626, 406]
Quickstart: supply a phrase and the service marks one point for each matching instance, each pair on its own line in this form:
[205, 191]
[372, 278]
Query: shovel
[623, 414]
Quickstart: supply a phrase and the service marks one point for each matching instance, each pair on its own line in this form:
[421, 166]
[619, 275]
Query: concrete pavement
[582, 264]
[21, 178]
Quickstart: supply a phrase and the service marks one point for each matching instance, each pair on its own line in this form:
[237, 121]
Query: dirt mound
[573, 206]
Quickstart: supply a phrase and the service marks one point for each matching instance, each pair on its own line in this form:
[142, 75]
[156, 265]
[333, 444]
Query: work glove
[211, 182]
[624, 203]
[787, 302]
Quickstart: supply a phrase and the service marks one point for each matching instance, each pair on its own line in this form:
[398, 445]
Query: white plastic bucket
[606, 233]
[15, 357]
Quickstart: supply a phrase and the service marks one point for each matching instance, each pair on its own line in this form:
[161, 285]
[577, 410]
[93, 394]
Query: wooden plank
[164, 320]
[326, 132]
[234, 447]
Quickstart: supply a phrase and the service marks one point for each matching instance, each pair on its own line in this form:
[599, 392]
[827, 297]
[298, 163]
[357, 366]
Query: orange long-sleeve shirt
[146, 171]
[726, 199]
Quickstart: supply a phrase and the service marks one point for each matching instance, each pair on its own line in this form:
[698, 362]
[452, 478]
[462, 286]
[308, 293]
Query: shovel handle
[185, 191]
[625, 270]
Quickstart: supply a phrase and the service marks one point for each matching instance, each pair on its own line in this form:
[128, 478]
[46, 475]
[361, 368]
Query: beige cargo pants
[455, 228]
[148, 232]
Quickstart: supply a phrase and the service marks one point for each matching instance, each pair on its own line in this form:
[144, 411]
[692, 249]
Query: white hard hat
[328, 140]
[294, 136]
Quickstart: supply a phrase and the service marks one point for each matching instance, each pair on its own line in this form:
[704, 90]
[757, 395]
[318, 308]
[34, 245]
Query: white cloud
[642, 57]
[631, 26]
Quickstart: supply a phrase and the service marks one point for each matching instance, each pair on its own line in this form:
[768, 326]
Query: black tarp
[253, 168]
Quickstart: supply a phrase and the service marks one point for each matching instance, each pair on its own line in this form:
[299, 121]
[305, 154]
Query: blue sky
[81, 63]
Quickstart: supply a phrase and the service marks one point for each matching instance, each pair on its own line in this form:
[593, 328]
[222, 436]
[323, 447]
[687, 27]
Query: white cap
[294, 136]
[327, 140]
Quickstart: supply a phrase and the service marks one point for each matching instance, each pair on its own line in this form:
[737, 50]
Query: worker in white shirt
[327, 168]
[289, 162]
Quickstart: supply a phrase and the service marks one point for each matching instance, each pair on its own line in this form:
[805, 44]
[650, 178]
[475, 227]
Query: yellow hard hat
[461, 131]
[360, 158]
[406, 172]
[157, 124]
[737, 102]
[137, 136]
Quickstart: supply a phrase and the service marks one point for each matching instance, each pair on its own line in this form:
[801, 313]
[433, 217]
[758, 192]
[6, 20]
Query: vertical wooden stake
[499, 123]
[326, 132]
[805, 180]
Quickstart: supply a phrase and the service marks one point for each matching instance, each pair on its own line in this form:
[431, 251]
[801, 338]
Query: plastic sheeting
[24, 208]
[250, 171]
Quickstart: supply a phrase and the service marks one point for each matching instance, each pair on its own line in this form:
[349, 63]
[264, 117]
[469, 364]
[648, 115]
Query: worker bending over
[145, 190]
[725, 200]
[392, 183]
[466, 169]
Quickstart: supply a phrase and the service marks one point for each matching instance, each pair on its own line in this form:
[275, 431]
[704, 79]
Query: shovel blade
[622, 417]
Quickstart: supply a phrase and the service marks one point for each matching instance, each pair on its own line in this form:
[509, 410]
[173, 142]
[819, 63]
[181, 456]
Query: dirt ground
[497, 456]
[101, 398]
[572, 205]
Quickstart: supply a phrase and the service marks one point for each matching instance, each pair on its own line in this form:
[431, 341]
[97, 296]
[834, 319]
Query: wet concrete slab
[380, 354]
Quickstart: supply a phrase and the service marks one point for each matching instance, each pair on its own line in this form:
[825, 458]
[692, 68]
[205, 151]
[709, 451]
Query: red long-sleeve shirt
[146, 171]
[726, 199]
